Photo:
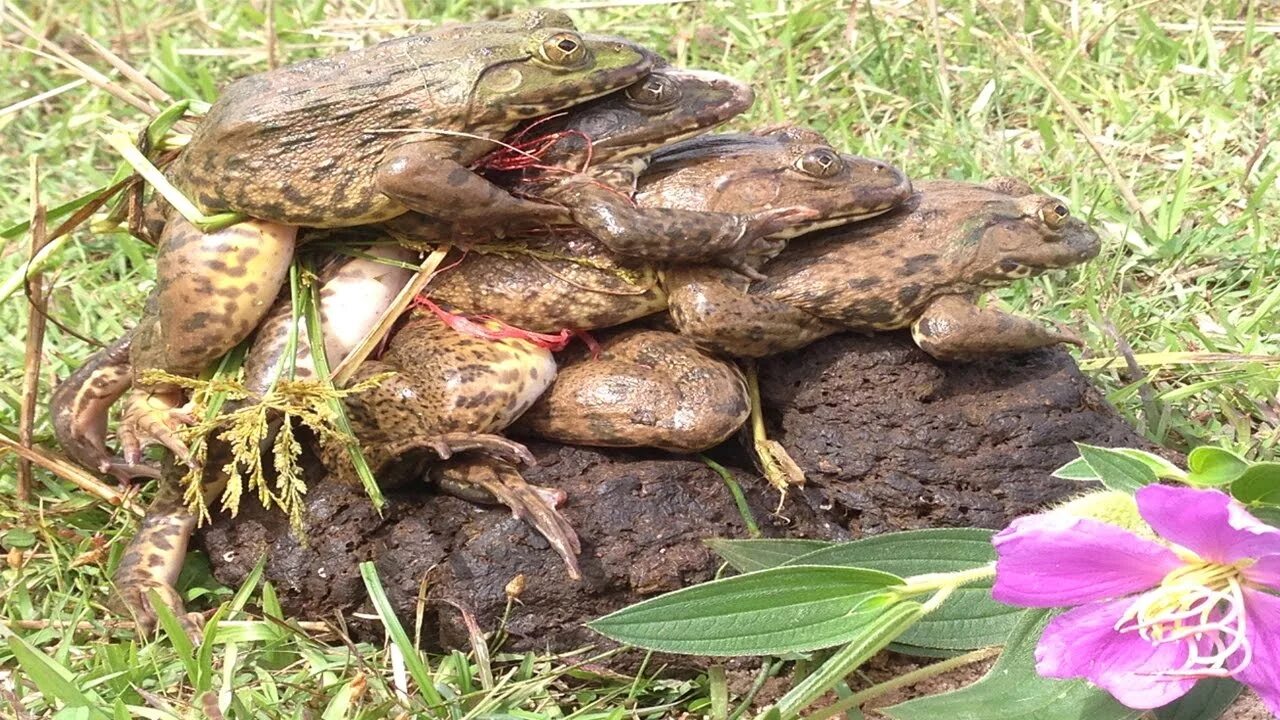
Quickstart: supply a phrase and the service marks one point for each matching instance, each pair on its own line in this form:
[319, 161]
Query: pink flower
[1153, 617]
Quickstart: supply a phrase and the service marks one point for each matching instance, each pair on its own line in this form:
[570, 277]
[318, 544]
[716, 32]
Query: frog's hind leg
[446, 445]
[719, 315]
[646, 389]
[154, 558]
[953, 328]
[535, 505]
[79, 407]
[212, 290]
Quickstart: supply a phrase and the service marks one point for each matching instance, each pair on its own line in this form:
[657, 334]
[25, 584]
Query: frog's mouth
[723, 99]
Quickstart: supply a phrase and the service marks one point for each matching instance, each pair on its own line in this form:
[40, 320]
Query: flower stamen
[1200, 604]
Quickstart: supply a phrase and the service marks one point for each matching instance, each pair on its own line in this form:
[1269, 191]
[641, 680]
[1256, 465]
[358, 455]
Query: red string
[491, 328]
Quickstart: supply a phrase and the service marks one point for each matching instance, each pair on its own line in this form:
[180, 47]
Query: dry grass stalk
[21, 21]
[36, 315]
[1069, 109]
[426, 271]
[70, 472]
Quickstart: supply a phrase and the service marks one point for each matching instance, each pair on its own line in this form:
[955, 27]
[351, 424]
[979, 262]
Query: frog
[668, 103]
[643, 387]
[921, 266]
[336, 142]
[434, 415]
[568, 279]
[588, 160]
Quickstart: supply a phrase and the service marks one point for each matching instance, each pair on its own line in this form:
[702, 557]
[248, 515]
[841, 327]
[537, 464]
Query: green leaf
[875, 635]
[18, 538]
[1211, 467]
[1116, 470]
[54, 680]
[1013, 691]
[1206, 701]
[769, 612]
[969, 619]
[751, 555]
[1160, 466]
[1259, 485]
[1077, 469]
[413, 660]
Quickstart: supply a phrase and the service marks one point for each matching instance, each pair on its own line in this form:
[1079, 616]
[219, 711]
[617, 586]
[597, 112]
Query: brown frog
[668, 103]
[357, 138]
[920, 266]
[568, 280]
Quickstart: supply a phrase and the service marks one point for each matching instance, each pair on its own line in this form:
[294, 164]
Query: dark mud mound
[890, 440]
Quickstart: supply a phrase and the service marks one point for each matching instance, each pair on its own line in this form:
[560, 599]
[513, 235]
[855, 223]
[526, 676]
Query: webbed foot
[446, 445]
[154, 418]
[530, 503]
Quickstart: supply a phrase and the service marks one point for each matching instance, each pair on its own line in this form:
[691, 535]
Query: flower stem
[905, 680]
[931, 582]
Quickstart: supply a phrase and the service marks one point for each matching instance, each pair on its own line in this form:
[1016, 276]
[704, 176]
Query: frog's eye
[563, 48]
[657, 90]
[1054, 214]
[821, 163]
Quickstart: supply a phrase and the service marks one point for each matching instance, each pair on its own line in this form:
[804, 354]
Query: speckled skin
[647, 388]
[79, 406]
[154, 558]
[338, 142]
[447, 384]
[568, 280]
[606, 139]
[920, 266]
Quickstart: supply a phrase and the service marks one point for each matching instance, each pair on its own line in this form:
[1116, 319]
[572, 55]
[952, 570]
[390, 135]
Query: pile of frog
[570, 174]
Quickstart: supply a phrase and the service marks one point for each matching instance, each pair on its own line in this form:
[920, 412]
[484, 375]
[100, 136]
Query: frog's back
[875, 275]
[300, 144]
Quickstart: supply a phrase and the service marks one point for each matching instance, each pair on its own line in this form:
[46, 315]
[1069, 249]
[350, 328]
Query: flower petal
[1263, 632]
[1266, 571]
[1056, 559]
[1083, 643]
[1207, 522]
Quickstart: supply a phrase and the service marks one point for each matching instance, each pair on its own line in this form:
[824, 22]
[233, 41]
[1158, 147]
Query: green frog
[921, 266]
[357, 138]
[569, 280]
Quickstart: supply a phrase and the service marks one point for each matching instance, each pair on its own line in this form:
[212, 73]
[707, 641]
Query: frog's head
[667, 105]
[781, 167]
[1023, 234]
[546, 69]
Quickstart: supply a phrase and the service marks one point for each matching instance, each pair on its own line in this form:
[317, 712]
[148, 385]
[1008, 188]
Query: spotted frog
[921, 266]
[357, 138]
[569, 280]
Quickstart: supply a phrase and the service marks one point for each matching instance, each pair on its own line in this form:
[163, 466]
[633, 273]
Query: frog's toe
[153, 418]
[137, 597]
[446, 445]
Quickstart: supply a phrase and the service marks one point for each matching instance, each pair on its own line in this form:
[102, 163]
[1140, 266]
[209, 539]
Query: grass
[1151, 119]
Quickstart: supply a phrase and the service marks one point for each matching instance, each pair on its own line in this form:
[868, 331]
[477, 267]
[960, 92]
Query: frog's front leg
[424, 175]
[721, 315]
[645, 389]
[153, 560]
[675, 235]
[79, 407]
[953, 328]
[212, 290]
[481, 479]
